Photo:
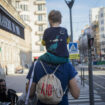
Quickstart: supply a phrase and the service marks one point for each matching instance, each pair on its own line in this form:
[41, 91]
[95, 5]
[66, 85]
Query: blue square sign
[73, 47]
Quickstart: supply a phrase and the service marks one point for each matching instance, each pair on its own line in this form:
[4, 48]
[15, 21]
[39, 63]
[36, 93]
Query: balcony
[39, 2]
[39, 33]
[19, 10]
[40, 12]
[38, 43]
[40, 23]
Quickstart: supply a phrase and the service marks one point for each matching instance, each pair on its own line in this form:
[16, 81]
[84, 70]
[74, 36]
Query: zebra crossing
[84, 97]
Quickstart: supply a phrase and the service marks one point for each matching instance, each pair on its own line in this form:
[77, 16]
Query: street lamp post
[70, 5]
[90, 45]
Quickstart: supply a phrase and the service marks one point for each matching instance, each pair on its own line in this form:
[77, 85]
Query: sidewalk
[84, 97]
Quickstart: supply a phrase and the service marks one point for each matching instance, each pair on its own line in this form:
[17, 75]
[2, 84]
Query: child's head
[54, 17]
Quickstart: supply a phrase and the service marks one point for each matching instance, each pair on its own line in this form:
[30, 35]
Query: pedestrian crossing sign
[73, 48]
[73, 51]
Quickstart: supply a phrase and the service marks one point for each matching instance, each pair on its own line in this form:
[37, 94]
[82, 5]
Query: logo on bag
[46, 89]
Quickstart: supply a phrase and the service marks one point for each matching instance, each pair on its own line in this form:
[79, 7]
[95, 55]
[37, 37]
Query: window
[24, 7]
[102, 21]
[103, 35]
[102, 28]
[103, 43]
[40, 28]
[17, 4]
[41, 7]
[101, 14]
[25, 17]
[103, 49]
[40, 18]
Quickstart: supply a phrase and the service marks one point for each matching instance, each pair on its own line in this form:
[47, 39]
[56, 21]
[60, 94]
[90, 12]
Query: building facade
[94, 23]
[33, 12]
[15, 39]
[93, 14]
[102, 31]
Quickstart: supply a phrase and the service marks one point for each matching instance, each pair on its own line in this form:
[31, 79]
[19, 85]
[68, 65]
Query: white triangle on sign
[73, 48]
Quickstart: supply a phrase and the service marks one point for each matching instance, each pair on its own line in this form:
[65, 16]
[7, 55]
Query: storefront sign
[10, 24]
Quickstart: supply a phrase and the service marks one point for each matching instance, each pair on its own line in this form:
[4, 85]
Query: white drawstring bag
[49, 89]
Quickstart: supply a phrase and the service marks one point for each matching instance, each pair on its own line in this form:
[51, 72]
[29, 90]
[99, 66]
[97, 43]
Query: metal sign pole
[70, 5]
[91, 93]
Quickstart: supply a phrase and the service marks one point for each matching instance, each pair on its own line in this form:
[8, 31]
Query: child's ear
[50, 22]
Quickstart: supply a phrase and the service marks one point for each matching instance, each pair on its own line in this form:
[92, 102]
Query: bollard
[83, 77]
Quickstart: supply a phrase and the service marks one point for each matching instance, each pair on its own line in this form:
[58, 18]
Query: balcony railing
[40, 23]
[40, 12]
[19, 10]
[38, 43]
[39, 33]
[39, 2]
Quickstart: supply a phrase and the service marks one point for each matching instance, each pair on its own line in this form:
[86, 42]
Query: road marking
[99, 77]
[99, 85]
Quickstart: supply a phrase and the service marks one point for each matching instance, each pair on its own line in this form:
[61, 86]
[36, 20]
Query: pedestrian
[9, 95]
[55, 39]
[65, 73]
[3, 92]
[53, 75]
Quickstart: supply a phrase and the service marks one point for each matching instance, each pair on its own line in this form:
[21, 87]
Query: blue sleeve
[72, 72]
[30, 72]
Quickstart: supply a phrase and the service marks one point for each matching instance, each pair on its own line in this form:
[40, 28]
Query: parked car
[19, 70]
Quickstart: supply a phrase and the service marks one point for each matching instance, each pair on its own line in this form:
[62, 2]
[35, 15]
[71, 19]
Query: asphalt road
[16, 82]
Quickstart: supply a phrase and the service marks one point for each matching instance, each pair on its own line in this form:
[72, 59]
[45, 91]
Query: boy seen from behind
[55, 39]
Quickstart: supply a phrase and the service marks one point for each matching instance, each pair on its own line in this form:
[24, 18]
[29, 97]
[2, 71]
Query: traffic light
[90, 42]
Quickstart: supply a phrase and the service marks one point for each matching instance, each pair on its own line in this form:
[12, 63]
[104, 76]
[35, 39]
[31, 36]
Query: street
[16, 82]
[98, 81]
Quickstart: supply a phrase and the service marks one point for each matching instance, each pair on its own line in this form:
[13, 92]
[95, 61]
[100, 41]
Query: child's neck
[55, 25]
